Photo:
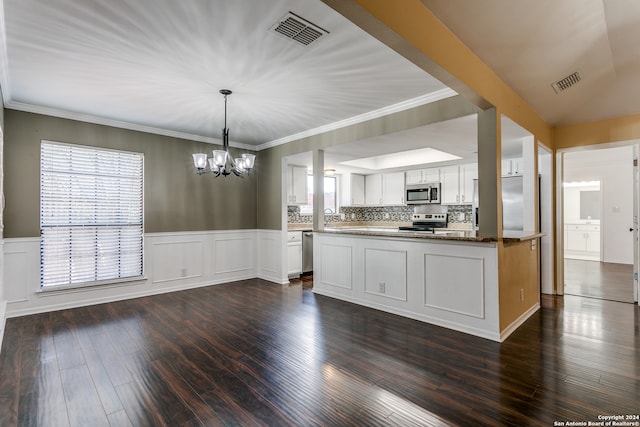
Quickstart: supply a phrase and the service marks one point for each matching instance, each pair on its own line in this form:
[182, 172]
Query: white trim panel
[269, 255]
[335, 265]
[173, 261]
[458, 290]
[454, 284]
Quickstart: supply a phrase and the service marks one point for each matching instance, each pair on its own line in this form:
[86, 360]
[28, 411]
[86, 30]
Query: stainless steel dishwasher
[307, 251]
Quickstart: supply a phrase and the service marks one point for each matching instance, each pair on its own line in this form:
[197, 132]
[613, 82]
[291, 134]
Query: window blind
[91, 214]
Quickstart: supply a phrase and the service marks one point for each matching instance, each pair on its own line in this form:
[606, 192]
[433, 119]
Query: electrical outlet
[382, 287]
[342, 216]
[353, 216]
[183, 272]
[521, 294]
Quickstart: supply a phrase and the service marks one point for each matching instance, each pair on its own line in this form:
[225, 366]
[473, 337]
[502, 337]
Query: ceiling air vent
[566, 82]
[299, 29]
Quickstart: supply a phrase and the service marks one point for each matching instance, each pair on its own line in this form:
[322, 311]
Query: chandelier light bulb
[221, 163]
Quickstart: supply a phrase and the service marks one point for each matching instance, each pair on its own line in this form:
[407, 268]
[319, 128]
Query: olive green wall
[270, 177]
[175, 197]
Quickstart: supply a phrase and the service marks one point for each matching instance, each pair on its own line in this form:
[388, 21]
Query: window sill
[81, 287]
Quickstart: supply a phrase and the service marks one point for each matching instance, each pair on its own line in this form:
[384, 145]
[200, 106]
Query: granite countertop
[519, 235]
[390, 229]
[441, 234]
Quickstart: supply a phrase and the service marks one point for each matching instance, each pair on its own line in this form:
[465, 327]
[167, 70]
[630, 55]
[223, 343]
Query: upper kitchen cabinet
[296, 185]
[393, 188]
[511, 167]
[351, 190]
[373, 189]
[457, 184]
[384, 189]
[422, 176]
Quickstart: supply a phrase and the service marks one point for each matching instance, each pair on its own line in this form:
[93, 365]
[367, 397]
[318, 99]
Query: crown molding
[401, 106]
[4, 61]
[87, 118]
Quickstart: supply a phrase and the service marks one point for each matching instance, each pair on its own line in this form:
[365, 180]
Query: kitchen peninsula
[449, 278]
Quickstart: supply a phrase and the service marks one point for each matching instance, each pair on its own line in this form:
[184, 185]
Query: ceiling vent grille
[566, 82]
[299, 29]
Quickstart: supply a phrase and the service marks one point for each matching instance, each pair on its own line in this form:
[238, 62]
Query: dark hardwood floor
[597, 279]
[253, 353]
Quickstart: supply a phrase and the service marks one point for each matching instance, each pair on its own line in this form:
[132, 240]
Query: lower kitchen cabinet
[294, 253]
[582, 241]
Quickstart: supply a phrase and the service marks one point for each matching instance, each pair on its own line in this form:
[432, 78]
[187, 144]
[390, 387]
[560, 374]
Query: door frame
[559, 237]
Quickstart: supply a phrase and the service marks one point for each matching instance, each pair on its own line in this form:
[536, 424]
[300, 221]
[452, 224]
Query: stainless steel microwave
[422, 194]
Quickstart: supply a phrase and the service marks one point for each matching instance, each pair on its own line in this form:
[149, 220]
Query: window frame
[107, 281]
[308, 209]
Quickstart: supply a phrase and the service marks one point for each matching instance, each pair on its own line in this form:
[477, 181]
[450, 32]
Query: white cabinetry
[373, 189]
[512, 166]
[468, 173]
[296, 185]
[384, 189]
[351, 190]
[393, 188]
[423, 176]
[457, 184]
[294, 253]
[582, 241]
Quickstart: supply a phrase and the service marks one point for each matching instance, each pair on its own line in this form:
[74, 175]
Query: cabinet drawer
[583, 227]
[294, 236]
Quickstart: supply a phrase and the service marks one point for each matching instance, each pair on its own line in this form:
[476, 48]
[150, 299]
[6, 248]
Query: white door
[636, 211]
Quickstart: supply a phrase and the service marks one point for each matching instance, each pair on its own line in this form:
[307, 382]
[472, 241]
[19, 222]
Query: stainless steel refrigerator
[512, 203]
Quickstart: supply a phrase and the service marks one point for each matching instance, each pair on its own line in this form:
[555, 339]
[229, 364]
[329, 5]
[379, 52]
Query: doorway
[598, 223]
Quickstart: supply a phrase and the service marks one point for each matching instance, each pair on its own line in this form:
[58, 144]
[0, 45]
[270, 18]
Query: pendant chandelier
[222, 163]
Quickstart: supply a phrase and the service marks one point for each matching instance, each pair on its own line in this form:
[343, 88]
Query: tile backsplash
[400, 214]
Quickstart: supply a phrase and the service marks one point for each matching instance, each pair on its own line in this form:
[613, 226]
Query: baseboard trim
[518, 322]
[481, 333]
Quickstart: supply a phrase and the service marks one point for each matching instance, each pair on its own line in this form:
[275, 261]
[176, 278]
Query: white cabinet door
[297, 185]
[575, 239]
[294, 252]
[423, 176]
[431, 175]
[351, 190]
[450, 188]
[506, 167]
[592, 237]
[373, 189]
[516, 166]
[512, 166]
[357, 190]
[413, 177]
[393, 188]
[467, 174]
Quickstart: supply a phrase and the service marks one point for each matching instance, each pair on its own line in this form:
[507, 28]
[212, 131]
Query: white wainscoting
[271, 245]
[453, 284]
[3, 300]
[172, 261]
[385, 273]
[332, 262]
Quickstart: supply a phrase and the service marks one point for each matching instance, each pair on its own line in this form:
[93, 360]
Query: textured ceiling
[531, 44]
[160, 64]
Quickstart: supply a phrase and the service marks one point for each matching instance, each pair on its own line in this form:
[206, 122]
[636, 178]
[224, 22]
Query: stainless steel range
[427, 222]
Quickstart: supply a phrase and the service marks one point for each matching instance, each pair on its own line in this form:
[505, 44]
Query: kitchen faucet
[330, 211]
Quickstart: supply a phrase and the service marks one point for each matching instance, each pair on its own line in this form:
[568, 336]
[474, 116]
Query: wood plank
[252, 353]
[82, 399]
